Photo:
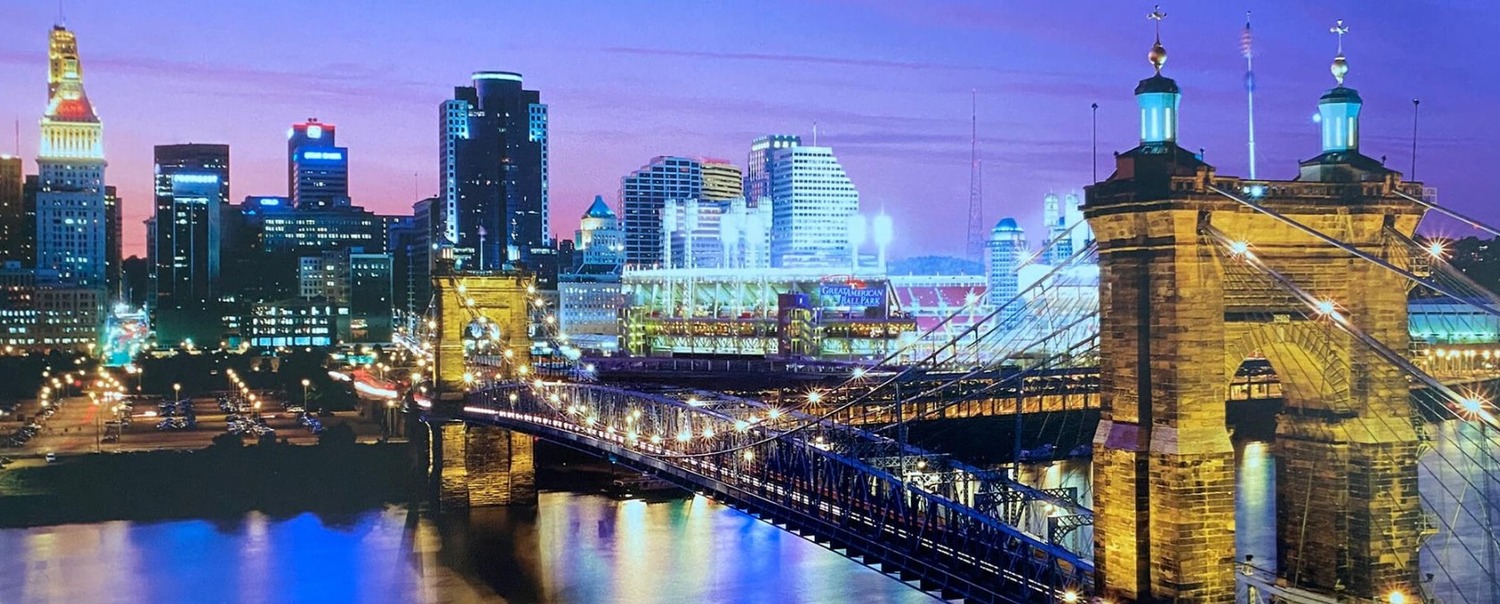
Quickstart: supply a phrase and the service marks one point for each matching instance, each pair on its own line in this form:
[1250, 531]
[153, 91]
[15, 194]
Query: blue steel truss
[813, 481]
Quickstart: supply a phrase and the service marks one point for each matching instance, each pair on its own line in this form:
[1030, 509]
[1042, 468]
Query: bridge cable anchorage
[817, 419]
[1435, 399]
[1358, 253]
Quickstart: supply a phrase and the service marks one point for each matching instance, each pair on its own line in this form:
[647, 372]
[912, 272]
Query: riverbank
[230, 481]
[211, 482]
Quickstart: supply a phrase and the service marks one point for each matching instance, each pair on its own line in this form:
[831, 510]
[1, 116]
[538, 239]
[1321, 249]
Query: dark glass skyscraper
[112, 243]
[493, 170]
[192, 188]
[12, 209]
[317, 170]
[644, 193]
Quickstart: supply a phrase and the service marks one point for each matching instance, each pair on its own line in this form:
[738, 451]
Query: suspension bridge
[1386, 463]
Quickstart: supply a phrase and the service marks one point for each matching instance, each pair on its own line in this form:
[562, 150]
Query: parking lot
[78, 426]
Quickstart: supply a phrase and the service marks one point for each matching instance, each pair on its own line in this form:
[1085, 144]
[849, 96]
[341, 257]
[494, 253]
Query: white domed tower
[1007, 250]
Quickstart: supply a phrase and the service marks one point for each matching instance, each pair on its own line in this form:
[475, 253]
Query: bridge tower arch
[1174, 319]
[478, 314]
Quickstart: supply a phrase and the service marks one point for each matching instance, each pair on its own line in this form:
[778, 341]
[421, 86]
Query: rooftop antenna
[1414, 104]
[18, 137]
[1094, 158]
[815, 133]
[1245, 49]
[976, 183]
[61, 18]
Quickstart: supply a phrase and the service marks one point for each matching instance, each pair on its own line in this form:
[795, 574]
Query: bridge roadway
[814, 482]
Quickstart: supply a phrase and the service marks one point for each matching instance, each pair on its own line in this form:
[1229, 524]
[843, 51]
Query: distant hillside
[935, 265]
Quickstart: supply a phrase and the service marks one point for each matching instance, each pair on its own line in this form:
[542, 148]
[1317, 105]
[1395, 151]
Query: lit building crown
[70, 128]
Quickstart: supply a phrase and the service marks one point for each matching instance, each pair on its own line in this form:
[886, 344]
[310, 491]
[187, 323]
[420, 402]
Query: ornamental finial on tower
[1340, 66]
[1158, 54]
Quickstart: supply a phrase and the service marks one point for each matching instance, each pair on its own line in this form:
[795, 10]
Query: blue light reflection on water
[571, 548]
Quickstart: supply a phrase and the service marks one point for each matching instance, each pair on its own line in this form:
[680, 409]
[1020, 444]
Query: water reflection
[570, 548]
[1460, 498]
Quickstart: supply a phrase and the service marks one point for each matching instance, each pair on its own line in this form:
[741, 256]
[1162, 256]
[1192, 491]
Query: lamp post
[305, 383]
[176, 392]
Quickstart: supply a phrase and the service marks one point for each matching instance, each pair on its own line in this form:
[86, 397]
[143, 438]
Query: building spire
[1340, 66]
[1158, 54]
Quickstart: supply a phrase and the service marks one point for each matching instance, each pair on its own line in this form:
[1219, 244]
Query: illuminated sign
[314, 131]
[497, 75]
[200, 179]
[329, 155]
[269, 201]
[856, 296]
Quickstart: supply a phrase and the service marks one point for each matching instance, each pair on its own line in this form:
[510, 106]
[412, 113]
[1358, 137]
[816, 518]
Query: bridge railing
[809, 477]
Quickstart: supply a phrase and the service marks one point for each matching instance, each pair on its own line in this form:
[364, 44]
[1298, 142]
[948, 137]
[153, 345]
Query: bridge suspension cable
[854, 381]
[1454, 214]
[1355, 251]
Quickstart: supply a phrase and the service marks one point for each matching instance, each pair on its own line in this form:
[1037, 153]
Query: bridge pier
[477, 466]
[1348, 515]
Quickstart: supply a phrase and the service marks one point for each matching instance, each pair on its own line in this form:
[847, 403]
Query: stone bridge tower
[479, 314]
[1177, 319]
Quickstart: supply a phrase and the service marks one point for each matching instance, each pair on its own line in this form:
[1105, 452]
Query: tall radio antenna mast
[976, 184]
[1245, 49]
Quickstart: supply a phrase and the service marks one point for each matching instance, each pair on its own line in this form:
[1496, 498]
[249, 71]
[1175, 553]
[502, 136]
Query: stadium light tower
[885, 231]
[857, 233]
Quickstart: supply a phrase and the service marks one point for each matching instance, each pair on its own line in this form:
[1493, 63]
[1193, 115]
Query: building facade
[317, 168]
[814, 201]
[192, 191]
[13, 230]
[722, 180]
[70, 203]
[1007, 250]
[493, 170]
[644, 193]
[758, 166]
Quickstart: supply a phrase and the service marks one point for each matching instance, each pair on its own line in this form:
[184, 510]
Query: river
[590, 548]
[570, 548]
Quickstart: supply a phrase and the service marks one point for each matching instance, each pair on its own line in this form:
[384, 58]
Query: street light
[176, 392]
[305, 383]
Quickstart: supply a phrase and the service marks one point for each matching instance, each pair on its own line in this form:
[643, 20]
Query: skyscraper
[70, 199]
[1007, 249]
[317, 170]
[192, 188]
[722, 180]
[493, 170]
[112, 243]
[12, 209]
[758, 165]
[644, 193]
[814, 200]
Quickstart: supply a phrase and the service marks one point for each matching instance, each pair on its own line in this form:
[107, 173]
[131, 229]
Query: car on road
[51, 457]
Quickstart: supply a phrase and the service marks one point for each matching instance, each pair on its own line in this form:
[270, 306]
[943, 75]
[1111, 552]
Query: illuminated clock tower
[70, 204]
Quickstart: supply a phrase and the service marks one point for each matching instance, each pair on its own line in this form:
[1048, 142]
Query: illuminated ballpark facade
[762, 312]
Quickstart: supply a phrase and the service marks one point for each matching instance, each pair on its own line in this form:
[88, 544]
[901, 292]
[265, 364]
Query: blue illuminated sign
[202, 179]
[839, 294]
[328, 155]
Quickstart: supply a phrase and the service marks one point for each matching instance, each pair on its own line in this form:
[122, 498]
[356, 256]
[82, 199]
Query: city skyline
[622, 98]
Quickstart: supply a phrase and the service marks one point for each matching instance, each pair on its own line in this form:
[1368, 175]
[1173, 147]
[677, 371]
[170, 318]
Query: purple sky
[887, 85]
